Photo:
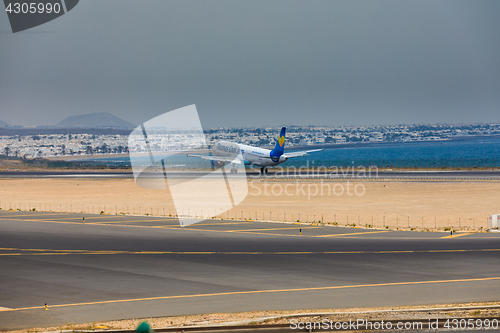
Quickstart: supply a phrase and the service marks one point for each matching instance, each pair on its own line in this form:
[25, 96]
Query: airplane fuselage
[224, 152]
[253, 156]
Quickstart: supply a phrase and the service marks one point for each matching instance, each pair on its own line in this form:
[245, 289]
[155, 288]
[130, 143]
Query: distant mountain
[95, 120]
[4, 124]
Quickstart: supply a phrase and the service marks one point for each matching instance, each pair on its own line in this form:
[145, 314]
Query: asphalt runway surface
[347, 174]
[117, 267]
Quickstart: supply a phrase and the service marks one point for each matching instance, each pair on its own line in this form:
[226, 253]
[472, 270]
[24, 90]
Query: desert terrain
[393, 204]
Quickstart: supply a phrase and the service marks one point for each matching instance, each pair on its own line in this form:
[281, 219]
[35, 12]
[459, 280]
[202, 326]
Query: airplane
[236, 153]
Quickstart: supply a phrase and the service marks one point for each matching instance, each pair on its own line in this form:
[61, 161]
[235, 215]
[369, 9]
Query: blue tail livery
[279, 149]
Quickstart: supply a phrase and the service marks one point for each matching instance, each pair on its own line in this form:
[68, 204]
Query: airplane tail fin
[280, 144]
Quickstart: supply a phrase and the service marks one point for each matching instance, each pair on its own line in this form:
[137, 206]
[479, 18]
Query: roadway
[117, 267]
[433, 174]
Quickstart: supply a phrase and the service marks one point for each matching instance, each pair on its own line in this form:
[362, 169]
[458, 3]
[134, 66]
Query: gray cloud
[258, 62]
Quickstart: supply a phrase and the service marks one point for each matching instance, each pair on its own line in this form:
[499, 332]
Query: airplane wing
[300, 153]
[218, 158]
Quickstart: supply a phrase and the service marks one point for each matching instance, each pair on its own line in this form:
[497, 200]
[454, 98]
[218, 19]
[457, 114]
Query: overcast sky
[258, 63]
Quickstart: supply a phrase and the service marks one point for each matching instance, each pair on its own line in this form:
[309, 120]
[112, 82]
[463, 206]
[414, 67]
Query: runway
[114, 267]
[340, 174]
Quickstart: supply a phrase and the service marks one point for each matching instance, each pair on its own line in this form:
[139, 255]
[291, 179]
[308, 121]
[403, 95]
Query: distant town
[46, 145]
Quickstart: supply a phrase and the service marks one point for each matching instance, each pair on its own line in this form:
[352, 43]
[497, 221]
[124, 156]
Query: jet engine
[218, 164]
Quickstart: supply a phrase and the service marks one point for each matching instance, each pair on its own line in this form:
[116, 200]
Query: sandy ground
[424, 204]
[284, 317]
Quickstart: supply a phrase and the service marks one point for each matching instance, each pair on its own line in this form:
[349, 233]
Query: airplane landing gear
[234, 170]
[263, 170]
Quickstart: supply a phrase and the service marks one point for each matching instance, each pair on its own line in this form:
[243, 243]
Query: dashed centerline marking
[224, 223]
[354, 233]
[294, 228]
[39, 252]
[458, 235]
[268, 291]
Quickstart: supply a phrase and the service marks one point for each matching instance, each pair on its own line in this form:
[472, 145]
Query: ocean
[467, 152]
[470, 152]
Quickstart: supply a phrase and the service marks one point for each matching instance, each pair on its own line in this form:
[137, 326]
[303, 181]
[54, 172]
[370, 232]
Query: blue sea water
[470, 152]
[473, 152]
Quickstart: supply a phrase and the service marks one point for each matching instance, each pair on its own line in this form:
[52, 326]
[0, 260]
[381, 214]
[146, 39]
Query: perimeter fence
[332, 218]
